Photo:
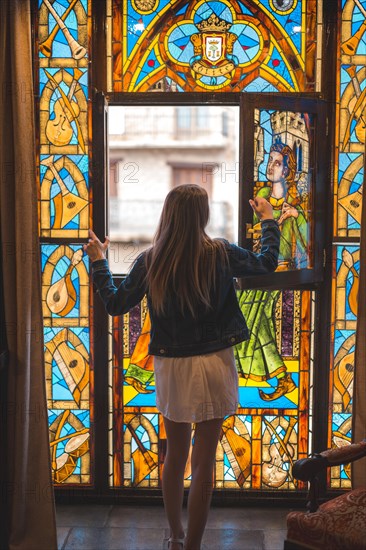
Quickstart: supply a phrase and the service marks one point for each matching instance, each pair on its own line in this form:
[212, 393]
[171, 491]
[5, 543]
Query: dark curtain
[27, 512]
[4, 357]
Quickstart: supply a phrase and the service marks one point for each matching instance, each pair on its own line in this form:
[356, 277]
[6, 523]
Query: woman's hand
[96, 249]
[262, 208]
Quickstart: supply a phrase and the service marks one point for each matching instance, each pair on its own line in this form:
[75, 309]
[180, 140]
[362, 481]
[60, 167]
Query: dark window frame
[101, 490]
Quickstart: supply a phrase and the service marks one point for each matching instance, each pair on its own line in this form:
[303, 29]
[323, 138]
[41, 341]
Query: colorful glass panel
[63, 33]
[67, 367]
[261, 46]
[351, 120]
[283, 174]
[65, 286]
[350, 178]
[63, 112]
[342, 374]
[69, 442]
[350, 139]
[341, 435]
[63, 72]
[64, 196]
[265, 434]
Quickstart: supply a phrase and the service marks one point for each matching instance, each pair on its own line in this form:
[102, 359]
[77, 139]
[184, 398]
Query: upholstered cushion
[339, 524]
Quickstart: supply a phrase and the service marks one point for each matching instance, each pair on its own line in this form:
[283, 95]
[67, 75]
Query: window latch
[249, 230]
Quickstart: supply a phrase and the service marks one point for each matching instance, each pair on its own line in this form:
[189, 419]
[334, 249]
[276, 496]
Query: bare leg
[203, 457]
[178, 443]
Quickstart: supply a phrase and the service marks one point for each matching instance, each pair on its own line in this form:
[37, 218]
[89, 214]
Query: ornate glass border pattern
[350, 139]
[346, 283]
[351, 120]
[64, 207]
[253, 45]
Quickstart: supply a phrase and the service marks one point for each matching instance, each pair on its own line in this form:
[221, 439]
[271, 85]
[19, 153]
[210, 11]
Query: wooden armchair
[340, 523]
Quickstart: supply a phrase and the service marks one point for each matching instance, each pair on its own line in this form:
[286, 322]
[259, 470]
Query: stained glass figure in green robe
[258, 358]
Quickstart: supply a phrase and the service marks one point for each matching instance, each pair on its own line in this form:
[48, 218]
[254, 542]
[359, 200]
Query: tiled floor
[103, 527]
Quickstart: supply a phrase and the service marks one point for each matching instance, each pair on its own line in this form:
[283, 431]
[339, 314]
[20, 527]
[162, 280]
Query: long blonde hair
[183, 259]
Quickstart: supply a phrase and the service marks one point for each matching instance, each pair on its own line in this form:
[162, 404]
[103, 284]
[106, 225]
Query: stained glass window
[65, 286]
[64, 220]
[173, 46]
[346, 276]
[207, 46]
[351, 120]
[283, 173]
[350, 139]
[69, 442]
[257, 445]
[263, 46]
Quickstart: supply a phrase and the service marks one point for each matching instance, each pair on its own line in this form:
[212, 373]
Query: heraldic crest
[213, 49]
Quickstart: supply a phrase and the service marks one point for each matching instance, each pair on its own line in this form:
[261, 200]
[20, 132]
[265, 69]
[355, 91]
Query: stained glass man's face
[275, 167]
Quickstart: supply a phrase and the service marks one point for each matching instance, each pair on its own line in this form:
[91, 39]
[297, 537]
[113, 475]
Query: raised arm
[244, 262]
[129, 293]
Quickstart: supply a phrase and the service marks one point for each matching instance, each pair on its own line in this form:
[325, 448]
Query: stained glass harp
[264, 46]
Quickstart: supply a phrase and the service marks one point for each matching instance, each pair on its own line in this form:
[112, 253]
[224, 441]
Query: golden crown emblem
[214, 23]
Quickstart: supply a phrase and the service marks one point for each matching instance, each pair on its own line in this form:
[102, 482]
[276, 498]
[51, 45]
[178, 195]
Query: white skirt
[197, 388]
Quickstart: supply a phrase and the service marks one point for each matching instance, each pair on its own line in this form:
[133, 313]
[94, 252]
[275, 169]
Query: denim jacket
[178, 335]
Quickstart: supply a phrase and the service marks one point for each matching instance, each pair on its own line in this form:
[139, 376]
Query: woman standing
[195, 321]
